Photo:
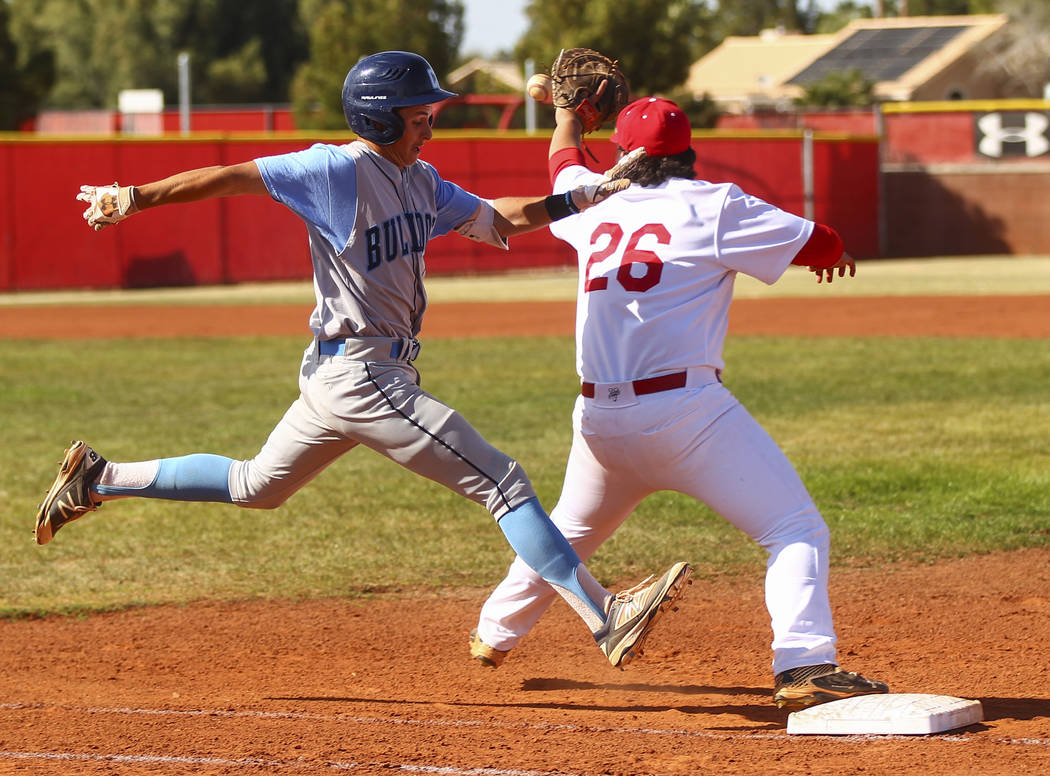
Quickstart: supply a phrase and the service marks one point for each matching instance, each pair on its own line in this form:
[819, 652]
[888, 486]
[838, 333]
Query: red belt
[648, 385]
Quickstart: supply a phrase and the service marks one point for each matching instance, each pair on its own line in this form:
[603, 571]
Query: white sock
[594, 591]
[126, 475]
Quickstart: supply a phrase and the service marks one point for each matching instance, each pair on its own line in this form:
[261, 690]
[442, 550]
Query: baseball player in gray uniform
[369, 207]
[657, 263]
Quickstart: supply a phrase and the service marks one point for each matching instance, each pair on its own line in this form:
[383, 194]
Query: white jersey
[368, 222]
[656, 271]
[657, 267]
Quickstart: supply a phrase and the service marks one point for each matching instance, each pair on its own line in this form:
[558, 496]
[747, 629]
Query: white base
[886, 714]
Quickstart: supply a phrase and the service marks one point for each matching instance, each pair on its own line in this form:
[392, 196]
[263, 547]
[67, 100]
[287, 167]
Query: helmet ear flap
[381, 127]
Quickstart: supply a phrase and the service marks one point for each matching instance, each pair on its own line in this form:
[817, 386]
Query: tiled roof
[881, 54]
[899, 54]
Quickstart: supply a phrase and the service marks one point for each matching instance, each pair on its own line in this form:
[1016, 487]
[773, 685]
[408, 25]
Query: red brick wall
[967, 211]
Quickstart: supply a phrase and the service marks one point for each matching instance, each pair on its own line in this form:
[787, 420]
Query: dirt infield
[384, 685]
[950, 316]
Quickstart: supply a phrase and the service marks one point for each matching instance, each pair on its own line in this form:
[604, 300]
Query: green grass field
[915, 449]
[923, 449]
[882, 277]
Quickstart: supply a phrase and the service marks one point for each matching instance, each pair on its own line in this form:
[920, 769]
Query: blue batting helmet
[381, 82]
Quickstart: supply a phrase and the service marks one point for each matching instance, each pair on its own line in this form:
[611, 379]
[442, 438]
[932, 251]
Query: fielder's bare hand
[828, 273]
[107, 204]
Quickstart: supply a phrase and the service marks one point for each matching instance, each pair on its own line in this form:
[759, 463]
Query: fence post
[184, 92]
[807, 173]
[530, 104]
[880, 181]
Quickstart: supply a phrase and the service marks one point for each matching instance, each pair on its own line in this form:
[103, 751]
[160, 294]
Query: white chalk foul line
[140, 758]
[261, 763]
[357, 720]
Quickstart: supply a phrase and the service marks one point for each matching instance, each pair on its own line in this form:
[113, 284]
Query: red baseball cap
[658, 124]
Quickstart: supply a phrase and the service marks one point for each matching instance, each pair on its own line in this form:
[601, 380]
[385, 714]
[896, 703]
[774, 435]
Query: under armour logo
[997, 140]
[614, 393]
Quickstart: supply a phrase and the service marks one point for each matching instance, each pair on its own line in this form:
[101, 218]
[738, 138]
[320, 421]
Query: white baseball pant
[700, 441]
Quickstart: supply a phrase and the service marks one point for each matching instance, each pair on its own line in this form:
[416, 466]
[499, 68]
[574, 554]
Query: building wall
[968, 78]
[960, 210]
[941, 194]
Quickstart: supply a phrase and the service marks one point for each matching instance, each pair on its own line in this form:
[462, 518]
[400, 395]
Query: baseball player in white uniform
[369, 207]
[656, 268]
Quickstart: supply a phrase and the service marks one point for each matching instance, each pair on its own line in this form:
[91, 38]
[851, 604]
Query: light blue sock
[541, 545]
[197, 477]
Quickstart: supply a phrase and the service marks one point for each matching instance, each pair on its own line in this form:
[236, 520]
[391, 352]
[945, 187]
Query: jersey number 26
[632, 254]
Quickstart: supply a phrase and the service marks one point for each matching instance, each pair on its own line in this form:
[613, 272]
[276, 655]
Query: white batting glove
[587, 196]
[624, 162]
[107, 204]
[591, 194]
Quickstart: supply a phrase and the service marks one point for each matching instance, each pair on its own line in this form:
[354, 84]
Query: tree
[655, 40]
[239, 51]
[841, 15]
[23, 84]
[703, 111]
[249, 51]
[839, 89]
[1021, 51]
[343, 31]
[937, 7]
[750, 17]
[61, 28]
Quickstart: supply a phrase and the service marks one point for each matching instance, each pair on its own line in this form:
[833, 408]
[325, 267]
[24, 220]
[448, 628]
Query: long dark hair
[654, 170]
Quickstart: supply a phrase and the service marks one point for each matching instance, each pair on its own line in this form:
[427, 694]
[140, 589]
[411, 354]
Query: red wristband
[823, 249]
[566, 157]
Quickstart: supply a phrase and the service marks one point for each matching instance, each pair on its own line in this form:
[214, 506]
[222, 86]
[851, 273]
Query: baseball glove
[590, 84]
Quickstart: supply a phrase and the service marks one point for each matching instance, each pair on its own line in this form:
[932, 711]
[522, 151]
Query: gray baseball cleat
[634, 612]
[70, 496]
[807, 686]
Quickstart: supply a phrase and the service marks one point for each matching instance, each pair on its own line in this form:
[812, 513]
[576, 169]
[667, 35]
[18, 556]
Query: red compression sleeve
[823, 249]
[566, 157]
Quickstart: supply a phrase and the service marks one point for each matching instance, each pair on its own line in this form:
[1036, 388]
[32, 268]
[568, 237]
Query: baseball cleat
[634, 612]
[69, 497]
[807, 686]
[483, 653]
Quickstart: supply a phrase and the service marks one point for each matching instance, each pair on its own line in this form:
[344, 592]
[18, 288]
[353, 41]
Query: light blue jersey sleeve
[319, 185]
[454, 206]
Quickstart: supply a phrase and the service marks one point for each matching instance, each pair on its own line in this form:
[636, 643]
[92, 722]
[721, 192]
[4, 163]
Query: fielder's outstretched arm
[823, 255]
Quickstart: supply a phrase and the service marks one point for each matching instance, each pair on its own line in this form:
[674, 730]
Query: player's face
[419, 122]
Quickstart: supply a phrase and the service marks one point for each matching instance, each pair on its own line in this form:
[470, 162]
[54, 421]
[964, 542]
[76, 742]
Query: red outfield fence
[47, 245]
